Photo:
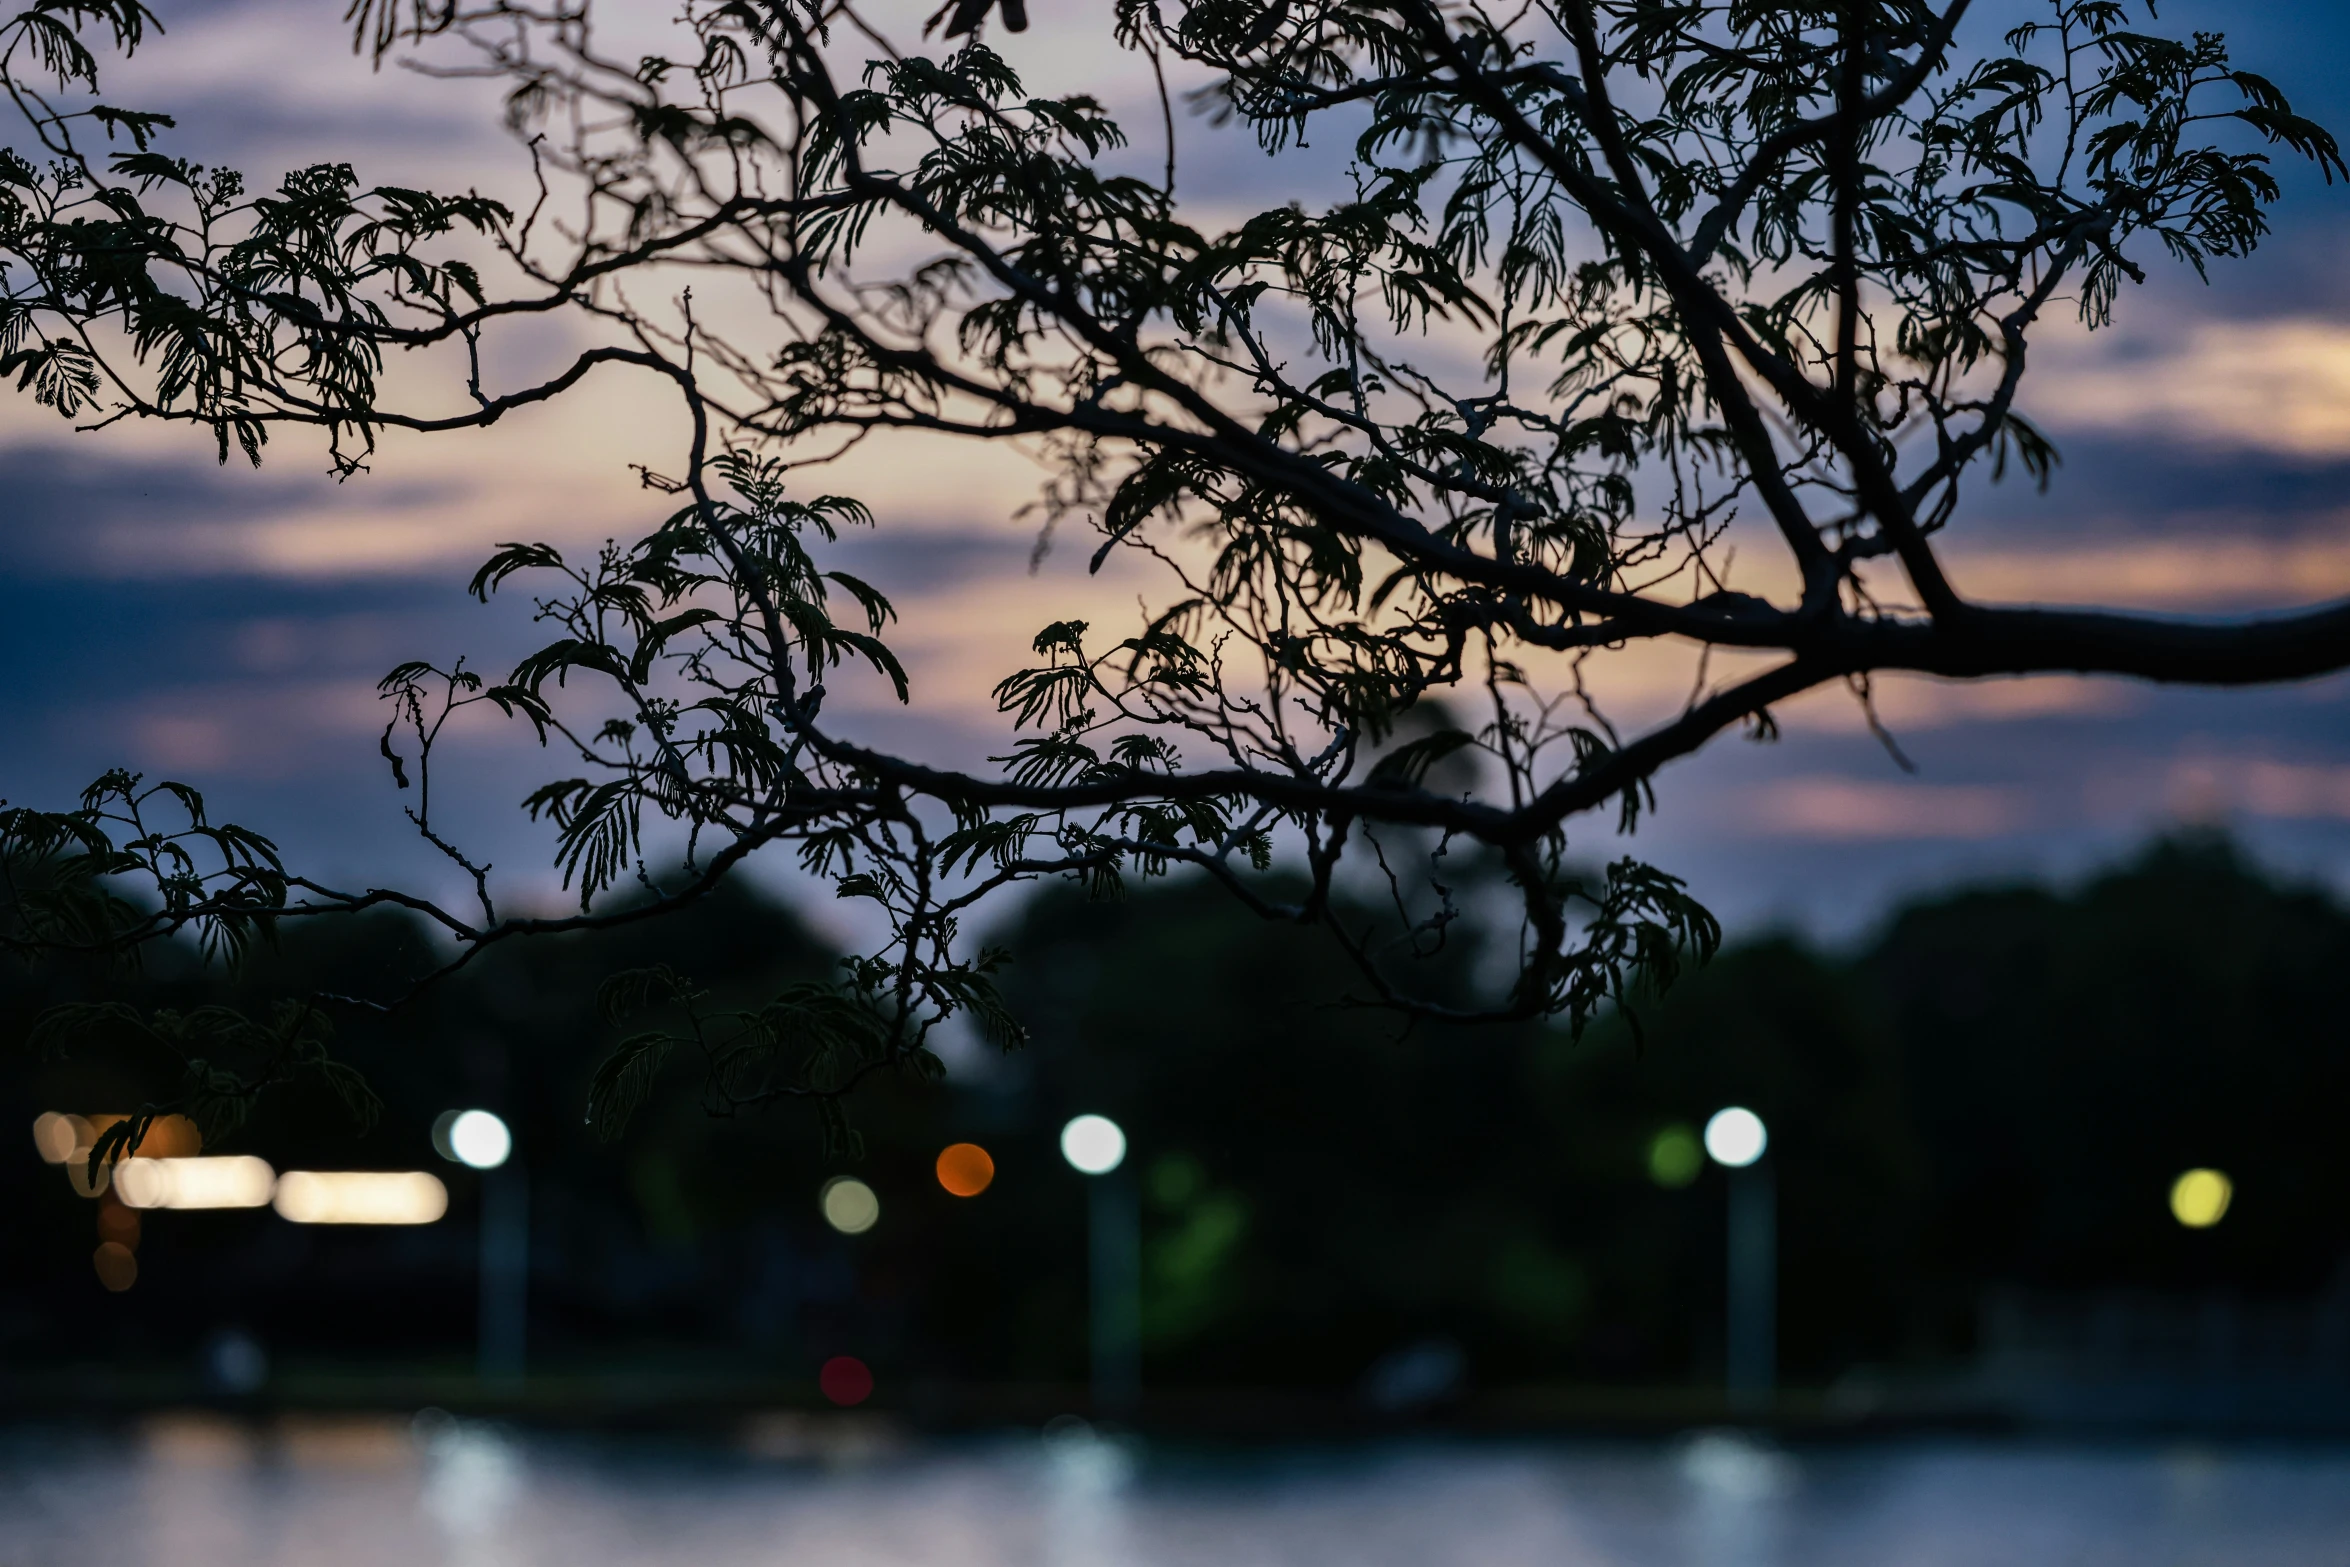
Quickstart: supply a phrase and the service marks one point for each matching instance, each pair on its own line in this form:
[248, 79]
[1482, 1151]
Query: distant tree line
[1998, 1087]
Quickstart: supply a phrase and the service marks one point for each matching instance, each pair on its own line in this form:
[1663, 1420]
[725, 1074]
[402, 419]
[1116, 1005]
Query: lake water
[193, 1493]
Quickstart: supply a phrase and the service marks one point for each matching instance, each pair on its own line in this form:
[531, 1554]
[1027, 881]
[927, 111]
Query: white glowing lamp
[1736, 1137]
[1093, 1144]
[474, 1138]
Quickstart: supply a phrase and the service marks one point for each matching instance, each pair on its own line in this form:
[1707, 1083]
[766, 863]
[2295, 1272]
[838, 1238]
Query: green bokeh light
[1675, 1157]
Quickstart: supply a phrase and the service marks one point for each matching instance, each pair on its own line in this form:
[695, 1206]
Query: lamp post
[1736, 1140]
[481, 1141]
[1095, 1147]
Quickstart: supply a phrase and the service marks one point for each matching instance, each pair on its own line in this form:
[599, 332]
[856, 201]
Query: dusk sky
[227, 627]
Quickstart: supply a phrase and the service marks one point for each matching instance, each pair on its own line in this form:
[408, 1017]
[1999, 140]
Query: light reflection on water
[192, 1493]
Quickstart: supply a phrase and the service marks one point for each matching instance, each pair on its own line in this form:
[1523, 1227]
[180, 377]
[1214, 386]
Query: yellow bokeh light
[2199, 1199]
[849, 1205]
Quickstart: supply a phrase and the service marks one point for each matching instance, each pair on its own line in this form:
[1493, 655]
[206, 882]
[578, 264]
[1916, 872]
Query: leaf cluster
[1605, 293]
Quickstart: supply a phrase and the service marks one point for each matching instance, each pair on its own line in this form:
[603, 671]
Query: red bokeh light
[845, 1380]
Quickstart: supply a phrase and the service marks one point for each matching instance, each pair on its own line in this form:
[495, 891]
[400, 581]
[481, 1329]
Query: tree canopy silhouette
[1602, 282]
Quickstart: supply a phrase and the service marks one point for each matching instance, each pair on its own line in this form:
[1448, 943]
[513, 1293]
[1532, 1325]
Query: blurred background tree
[1996, 1088]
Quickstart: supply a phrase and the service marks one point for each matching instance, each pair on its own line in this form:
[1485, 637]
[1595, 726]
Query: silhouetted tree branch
[1608, 277]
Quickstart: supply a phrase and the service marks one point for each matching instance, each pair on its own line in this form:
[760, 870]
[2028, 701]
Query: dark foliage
[1997, 1090]
[1605, 287]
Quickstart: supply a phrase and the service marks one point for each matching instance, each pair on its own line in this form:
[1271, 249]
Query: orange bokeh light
[117, 1268]
[965, 1169]
[170, 1137]
[118, 1224]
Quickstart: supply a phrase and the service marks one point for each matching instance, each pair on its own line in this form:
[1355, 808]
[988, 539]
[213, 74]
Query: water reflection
[1087, 1477]
[1737, 1486]
[441, 1492]
[472, 1481]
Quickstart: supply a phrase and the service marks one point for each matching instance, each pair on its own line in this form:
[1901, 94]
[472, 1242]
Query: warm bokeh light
[479, 1139]
[2199, 1199]
[1735, 1137]
[1674, 1157]
[849, 1205]
[65, 1139]
[360, 1197]
[965, 1169]
[88, 1182]
[222, 1181]
[845, 1380]
[57, 1135]
[1093, 1144]
[169, 1137]
[117, 1268]
[118, 1224]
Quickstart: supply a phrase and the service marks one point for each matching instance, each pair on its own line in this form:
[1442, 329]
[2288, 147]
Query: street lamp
[481, 1140]
[1095, 1146]
[1736, 1139]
